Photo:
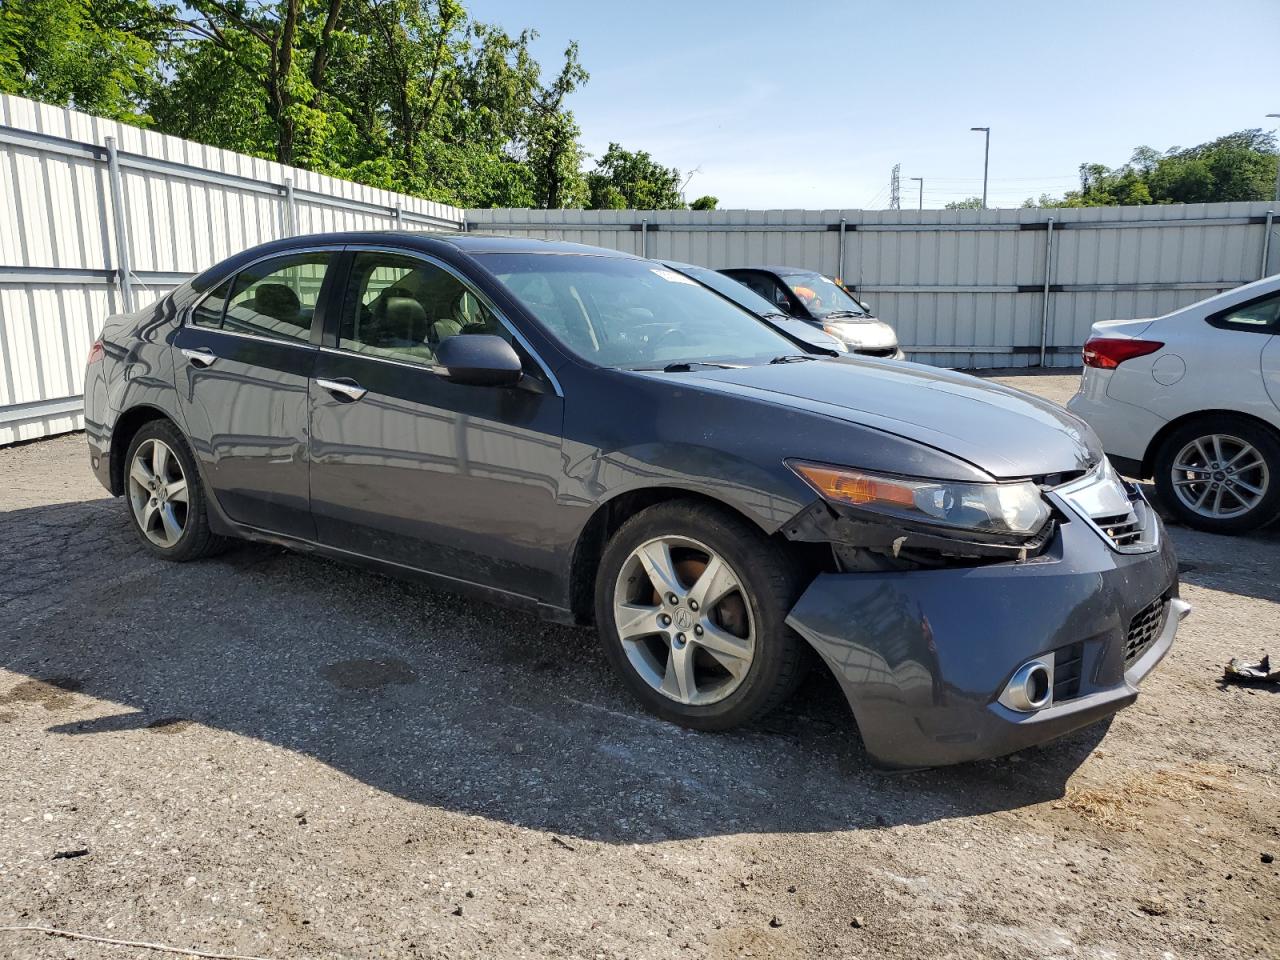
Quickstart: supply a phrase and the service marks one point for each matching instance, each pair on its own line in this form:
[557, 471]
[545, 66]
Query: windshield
[618, 312]
[742, 295]
[822, 297]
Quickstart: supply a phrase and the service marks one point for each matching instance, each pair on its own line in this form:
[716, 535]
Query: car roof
[425, 241]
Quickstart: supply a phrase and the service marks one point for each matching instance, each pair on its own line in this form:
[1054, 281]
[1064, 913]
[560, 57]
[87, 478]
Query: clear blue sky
[809, 104]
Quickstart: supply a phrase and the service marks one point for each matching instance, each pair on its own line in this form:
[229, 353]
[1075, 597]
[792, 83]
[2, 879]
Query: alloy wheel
[1220, 476]
[158, 492]
[684, 619]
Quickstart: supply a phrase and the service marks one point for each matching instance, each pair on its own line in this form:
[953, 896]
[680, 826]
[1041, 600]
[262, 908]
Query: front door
[243, 360]
[410, 467]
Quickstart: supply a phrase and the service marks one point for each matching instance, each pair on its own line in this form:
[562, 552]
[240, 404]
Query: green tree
[705, 203]
[99, 56]
[624, 179]
[1239, 166]
[968, 203]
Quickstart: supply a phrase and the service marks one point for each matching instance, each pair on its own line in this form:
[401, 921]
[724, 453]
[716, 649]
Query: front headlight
[834, 330]
[1006, 509]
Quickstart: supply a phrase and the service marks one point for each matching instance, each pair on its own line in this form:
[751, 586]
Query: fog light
[1031, 687]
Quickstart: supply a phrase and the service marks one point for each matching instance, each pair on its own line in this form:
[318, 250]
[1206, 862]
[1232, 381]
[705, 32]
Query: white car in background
[1192, 399]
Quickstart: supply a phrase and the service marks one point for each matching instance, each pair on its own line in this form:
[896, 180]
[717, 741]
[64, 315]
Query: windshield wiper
[684, 366]
[843, 313]
[792, 358]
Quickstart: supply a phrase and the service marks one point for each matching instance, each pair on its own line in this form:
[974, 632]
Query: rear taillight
[1107, 353]
[95, 354]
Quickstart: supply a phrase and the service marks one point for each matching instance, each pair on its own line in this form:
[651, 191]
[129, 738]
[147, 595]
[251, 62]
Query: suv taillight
[1107, 353]
[95, 354]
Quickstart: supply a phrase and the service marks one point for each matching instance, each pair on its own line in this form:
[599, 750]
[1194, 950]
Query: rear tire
[162, 491]
[1220, 474]
[721, 654]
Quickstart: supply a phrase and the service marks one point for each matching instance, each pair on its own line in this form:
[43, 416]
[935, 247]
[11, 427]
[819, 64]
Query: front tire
[1220, 474]
[691, 604]
[166, 502]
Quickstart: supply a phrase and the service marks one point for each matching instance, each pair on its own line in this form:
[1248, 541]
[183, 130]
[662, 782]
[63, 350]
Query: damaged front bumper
[924, 656]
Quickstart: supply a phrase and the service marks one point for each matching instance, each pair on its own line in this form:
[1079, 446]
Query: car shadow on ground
[436, 699]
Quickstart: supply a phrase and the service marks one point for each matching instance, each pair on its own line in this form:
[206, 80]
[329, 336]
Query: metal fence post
[840, 277]
[121, 223]
[290, 212]
[644, 238]
[398, 216]
[1266, 242]
[1048, 280]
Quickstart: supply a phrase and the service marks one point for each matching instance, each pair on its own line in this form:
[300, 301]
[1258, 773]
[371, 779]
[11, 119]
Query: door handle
[203, 357]
[347, 388]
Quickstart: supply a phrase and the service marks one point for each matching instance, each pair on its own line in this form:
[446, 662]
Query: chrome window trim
[191, 307]
[347, 352]
[478, 294]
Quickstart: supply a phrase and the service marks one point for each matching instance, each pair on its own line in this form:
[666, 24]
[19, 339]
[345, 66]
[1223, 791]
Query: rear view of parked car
[825, 304]
[1192, 399]
[597, 438]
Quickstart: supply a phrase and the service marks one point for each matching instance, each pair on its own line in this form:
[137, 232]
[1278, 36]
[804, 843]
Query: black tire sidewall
[189, 543]
[1261, 438]
[770, 591]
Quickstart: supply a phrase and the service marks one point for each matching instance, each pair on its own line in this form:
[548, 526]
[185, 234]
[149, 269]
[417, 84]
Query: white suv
[1193, 399]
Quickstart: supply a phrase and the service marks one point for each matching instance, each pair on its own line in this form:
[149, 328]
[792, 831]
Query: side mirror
[864, 305]
[479, 359]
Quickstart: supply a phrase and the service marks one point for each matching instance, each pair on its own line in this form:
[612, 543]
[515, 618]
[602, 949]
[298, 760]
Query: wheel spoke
[176, 491]
[635, 620]
[140, 472]
[172, 529]
[656, 560]
[1217, 450]
[678, 681]
[148, 515]
[1204, 495]
[732, 653]
[715, 583]
[1256, 491]
[1244, 450]
[1216, 509]
[1204, 456]
[159, 460]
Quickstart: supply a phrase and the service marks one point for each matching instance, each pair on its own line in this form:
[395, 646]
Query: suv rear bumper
[923, 656]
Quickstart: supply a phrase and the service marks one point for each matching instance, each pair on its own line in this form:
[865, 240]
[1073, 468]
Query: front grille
[1067, 662]
[1121, 529]
[1144, 628]
[876, 351]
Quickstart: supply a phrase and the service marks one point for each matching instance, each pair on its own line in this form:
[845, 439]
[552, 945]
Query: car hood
[1004, 432]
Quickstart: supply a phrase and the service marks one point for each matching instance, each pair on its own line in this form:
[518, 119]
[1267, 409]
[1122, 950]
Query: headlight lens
[1010, 509]
[834, 330]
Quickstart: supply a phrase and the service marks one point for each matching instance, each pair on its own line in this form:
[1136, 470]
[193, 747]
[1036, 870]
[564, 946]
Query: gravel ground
[273, 755]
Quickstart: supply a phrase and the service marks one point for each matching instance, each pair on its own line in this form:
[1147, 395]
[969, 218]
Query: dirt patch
[53, 693]
[1121, 804]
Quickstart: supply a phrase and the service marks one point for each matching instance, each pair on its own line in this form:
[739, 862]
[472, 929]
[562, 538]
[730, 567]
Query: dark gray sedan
[599, 438]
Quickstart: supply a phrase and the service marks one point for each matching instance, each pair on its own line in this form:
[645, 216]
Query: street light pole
[919, 180]
[1277, 116]
[986, 157]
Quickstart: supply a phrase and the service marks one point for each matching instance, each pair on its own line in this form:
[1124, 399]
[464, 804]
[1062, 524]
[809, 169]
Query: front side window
[823, 297]
[275, 298]
[400, 308]
[635, 314]
[1261, 316]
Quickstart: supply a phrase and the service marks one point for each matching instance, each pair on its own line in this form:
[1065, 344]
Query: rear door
[246, 355]
[410, 467]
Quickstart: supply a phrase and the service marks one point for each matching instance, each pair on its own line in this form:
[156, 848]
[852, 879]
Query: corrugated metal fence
[963, 288]
[96, 217]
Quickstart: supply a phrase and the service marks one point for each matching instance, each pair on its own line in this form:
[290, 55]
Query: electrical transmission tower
[895, 195]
